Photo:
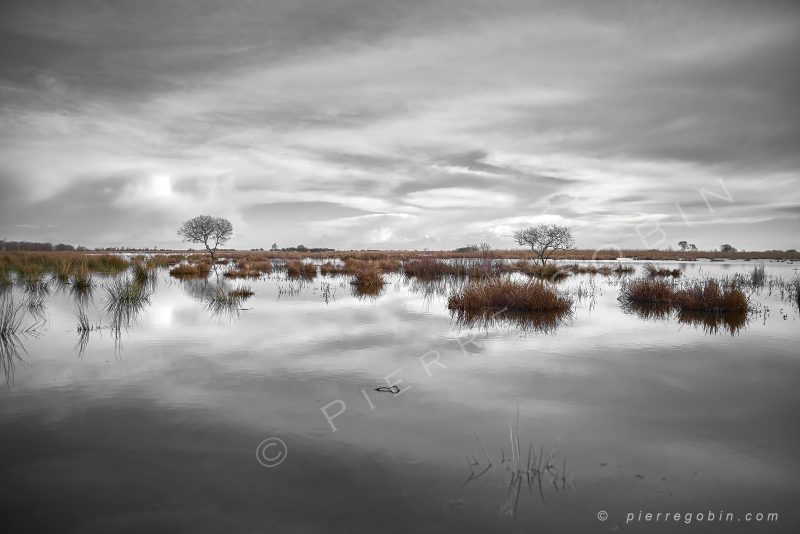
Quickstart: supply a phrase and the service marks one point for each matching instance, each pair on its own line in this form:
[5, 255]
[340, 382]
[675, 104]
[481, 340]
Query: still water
[155, 428]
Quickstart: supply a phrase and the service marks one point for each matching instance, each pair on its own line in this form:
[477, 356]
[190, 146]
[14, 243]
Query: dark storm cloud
[376, 123]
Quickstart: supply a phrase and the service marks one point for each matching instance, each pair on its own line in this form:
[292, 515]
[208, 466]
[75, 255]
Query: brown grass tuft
[709, 296]
[648, 291]
[653, 272]
[510, 295]
[301, 269]
[368, 279]
[190, 270]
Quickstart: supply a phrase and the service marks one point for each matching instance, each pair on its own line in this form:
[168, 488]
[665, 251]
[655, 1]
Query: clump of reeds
[368, 280]
[330, 269]
[228, 301]
[157, 261]
[5, 279]
[709, 296]
[653, 272]
[81, 283]
[107, 263]
[623, 269]
[200, 269]
[531, 305]
[429, 268]
[301, 269]
[389, 265]
[84, 324]
[658, 298]
[510, 295]
[63, 269]
[241, 292]
[486, 268]
[141, 273]
[793, 287]
[647, 291]
[30, 274]
[581, 269]
[548, 271]
[125, 299]
[241, 273]
[249, 269]
[11, 317]
[758, 276]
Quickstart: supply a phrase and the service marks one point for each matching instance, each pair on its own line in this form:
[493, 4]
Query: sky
[375, 124]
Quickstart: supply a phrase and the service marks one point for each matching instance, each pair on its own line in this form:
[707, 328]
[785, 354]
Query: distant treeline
[34, 246]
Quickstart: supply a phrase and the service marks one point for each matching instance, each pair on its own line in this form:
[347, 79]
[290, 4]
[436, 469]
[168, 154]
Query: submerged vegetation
[368, 280]
[531, 304]
[654, 272]
[124, 300]
[199, 269]
[301, 269]
[509, 295]
[477, 283]
[222, 301]
[708, 302]
[249, 269]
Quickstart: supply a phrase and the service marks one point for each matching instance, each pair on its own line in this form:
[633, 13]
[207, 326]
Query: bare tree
[210, 231]
[545, 239]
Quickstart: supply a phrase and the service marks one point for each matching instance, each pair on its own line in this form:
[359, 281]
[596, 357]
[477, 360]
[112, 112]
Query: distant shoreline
[576, 255]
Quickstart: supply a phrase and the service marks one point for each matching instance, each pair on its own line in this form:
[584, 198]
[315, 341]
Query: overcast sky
[401, 123]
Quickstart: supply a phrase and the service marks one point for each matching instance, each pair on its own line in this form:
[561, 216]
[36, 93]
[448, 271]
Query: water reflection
[647, 310]
[711, 323]
[125, 302]
[13, 330]
[225, 302]
[539, 322]
[11, 352]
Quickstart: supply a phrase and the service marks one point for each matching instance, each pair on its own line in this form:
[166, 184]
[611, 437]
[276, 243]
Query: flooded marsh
[415, 401]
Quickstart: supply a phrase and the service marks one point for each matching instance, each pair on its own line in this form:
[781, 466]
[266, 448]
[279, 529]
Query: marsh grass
[793, 293]
[509, 295]
[331, 269]
[107, 263]
[125, 299]
[12, 318]
[708, 303]
[81, 285]
[223, 301]
[141, 274]
[62, 270]
[527, 305]
[548, 271]
[648, 291]
[758, 276]
[711, 296]
[431, 268]
[711, 323]
[191, 270]
[603, 269]
[301, 269]
[5, 279]
[13, 328]
[654, 272]
[368, 280]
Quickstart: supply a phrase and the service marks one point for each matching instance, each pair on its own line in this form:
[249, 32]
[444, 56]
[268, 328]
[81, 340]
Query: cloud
[433, 120]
